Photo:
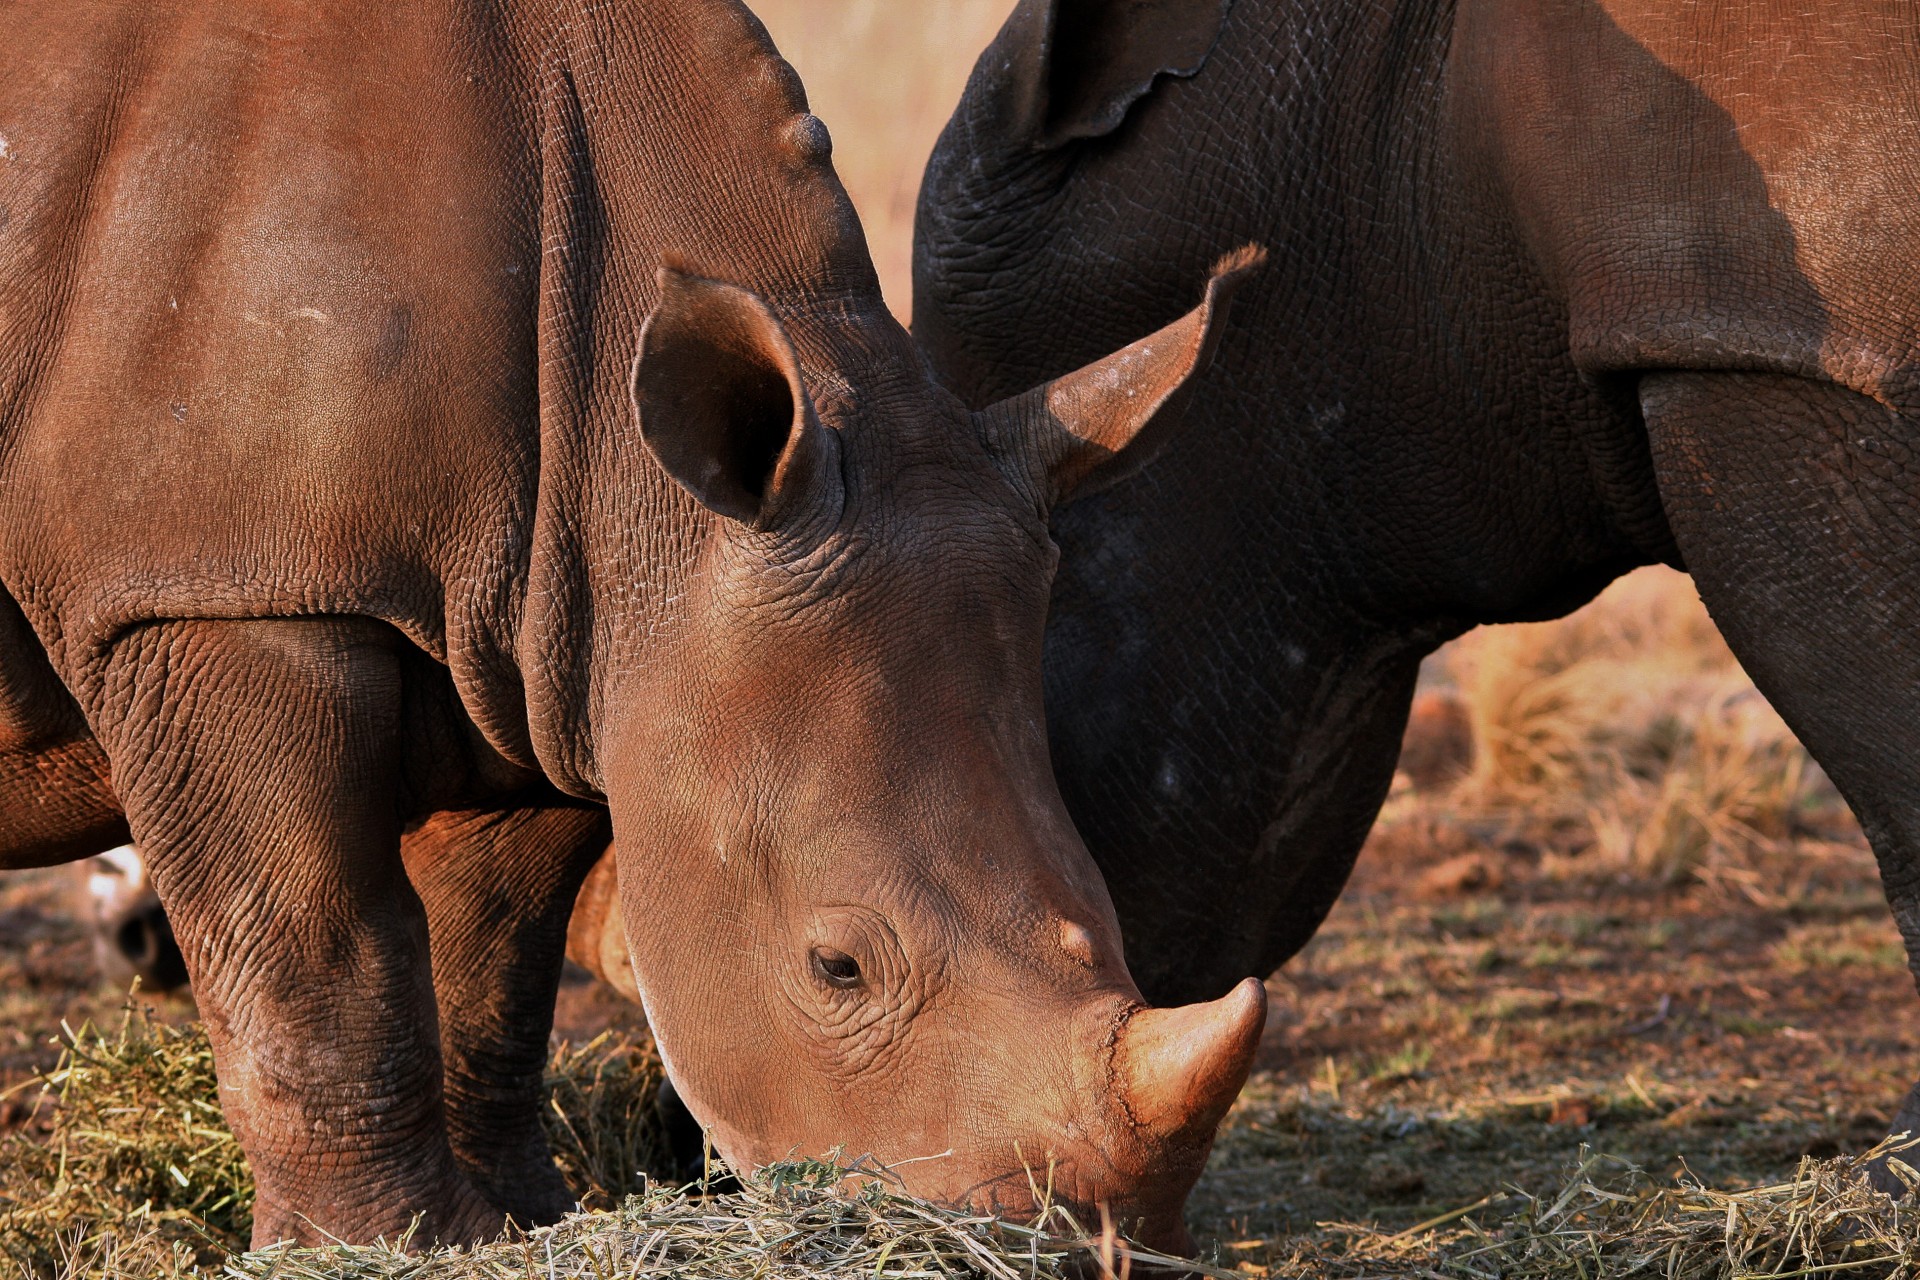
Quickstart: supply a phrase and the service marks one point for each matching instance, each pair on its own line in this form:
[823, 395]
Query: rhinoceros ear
[1084, 431]
[1073, 67]
[721, 403]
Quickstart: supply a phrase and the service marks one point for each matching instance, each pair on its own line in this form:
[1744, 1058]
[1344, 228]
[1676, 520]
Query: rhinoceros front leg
[499, 889]
[1796, 504]
[258, 763]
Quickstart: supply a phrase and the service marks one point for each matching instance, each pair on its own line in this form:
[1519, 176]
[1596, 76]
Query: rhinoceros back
[310, 312]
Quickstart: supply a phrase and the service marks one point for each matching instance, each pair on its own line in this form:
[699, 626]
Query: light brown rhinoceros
[341, 524]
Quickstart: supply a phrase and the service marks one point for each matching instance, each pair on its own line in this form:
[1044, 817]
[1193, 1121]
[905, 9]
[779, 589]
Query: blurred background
[884, 75]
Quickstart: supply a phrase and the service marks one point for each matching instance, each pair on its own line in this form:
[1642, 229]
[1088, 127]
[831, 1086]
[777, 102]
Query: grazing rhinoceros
[1560, 287]
[340, 523]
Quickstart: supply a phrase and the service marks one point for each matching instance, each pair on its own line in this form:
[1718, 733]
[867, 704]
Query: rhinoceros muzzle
[1175, 1074]
[1172, 1074]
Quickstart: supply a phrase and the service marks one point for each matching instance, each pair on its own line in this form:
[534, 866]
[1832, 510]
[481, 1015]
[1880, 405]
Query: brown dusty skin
[510, 450]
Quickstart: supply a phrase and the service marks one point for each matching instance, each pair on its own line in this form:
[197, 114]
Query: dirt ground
[1476, 1008]
[1439, 1040]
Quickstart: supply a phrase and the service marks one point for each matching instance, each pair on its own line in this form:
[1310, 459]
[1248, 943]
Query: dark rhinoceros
[1559, 288]
[340, 524]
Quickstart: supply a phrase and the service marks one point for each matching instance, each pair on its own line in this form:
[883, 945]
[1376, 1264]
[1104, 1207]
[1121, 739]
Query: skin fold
[437, 440]
[1557, 288]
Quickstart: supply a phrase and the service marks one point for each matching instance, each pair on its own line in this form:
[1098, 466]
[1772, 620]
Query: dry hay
[1825, 1220]
[135, 1174]
[1627, 734]
[129, 1167]
[1611, 1220]
[135, 1149]
[796, 1219]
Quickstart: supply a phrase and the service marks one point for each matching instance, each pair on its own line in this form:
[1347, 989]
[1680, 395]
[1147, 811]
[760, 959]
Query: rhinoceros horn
[1178, 1070]
[1090, 428]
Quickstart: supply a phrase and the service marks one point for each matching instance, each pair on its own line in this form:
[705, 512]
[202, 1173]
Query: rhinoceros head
[859, 915]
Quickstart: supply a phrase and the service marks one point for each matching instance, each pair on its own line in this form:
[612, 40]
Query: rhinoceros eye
[836, 968]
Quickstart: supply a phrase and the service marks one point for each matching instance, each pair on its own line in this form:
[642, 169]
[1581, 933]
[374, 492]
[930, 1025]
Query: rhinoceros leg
[1797, 507]
[499, 889]
[56, 803]
[259, 766]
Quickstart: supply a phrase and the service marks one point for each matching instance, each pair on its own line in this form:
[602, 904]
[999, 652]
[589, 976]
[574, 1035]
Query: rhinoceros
[1558, 288]
[436, 439]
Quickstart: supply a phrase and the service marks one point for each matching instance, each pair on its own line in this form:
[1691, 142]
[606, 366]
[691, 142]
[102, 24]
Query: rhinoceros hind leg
[499, 888]
[259, 765]
[56, 804]
[1796, 504]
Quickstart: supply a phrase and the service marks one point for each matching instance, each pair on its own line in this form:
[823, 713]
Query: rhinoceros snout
[1133, 1158]
[1175, 1073]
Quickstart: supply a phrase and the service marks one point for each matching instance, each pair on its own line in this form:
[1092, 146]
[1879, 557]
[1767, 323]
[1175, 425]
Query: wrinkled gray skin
[1559, 288]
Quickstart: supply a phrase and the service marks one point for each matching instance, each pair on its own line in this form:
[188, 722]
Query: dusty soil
[1476, 1009]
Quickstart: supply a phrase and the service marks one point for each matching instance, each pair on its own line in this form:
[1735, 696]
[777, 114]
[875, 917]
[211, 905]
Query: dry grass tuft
[137, 1161]
[133, 1171]
[793, 1219]
[1825, 1220]
[603, 1120]
[1610, 1219]
[1629, 729]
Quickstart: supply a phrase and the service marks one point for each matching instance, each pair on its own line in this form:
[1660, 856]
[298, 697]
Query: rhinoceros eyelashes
[836, 969]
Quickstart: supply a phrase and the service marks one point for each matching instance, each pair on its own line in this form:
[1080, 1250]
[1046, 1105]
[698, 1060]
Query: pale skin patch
[1077, 942]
